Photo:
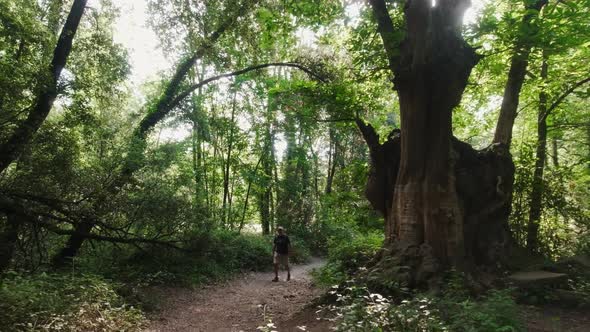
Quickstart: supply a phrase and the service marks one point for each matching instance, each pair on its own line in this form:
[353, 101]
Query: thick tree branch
[89, 236]
[10, 206]
[12, 148]
[387, 32]
[369, 134]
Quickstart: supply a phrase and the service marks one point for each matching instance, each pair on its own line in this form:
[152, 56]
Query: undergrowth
[347, 255]
[62, 302]
[355, 307]
[359, 310]
[107, 287]
[210, 257]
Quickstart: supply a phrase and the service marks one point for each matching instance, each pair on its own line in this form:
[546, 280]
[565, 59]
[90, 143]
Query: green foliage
[496, 311]
[347, 255]
[357, 309]
[296, 156]
[213, 256]
[360, 310]
[565, 219]
[64, 302]
[355, 252]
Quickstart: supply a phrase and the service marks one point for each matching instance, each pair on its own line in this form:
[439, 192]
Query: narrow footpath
[241, 304]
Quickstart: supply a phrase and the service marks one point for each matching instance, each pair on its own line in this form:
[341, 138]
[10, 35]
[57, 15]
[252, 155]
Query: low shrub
[360, 310]
[62, 302]
[210, 257]
[329, 274]
[347, 255]
[355, 252]
[497, 311]
[356, 308]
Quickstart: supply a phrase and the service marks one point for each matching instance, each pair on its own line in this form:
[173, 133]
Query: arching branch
[564, 95]
[195, 86]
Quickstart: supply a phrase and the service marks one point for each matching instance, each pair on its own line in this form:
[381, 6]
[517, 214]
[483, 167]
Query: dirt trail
[238, 305]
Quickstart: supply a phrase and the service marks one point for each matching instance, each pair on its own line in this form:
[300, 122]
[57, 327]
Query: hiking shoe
[275, 279]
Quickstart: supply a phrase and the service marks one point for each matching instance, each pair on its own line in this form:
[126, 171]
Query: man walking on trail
[280, 249]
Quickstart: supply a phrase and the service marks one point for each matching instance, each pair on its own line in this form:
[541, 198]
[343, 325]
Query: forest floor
[248, 301]
[240, 304]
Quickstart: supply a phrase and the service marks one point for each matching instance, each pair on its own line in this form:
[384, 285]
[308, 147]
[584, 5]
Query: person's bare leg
[288, 272]
[276, 266]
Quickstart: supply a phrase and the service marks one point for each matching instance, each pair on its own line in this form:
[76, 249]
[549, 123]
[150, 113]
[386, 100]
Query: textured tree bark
[516, 74]
[438, 195]
[11, 149]
[540, 157]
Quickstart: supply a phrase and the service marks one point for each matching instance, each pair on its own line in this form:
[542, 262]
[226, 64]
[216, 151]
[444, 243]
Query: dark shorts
[281, 259]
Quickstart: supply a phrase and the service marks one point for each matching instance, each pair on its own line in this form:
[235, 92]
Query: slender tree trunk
[518, 68]
[555, 154]
[228, 161]
[245, 209]
[8, 239]
[11, 149]
[206, 180]
[195, 134]
[195, 156]
[264, 197]
[328, 178]
[272, 211]
[535, 203]
[264, 208]
[214, 188]
[230, 218]
[332, 161]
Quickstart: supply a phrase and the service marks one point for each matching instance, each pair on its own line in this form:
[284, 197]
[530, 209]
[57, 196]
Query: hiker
[281, 249]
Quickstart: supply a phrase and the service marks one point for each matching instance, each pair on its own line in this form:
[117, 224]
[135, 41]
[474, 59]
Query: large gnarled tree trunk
[445, 204]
